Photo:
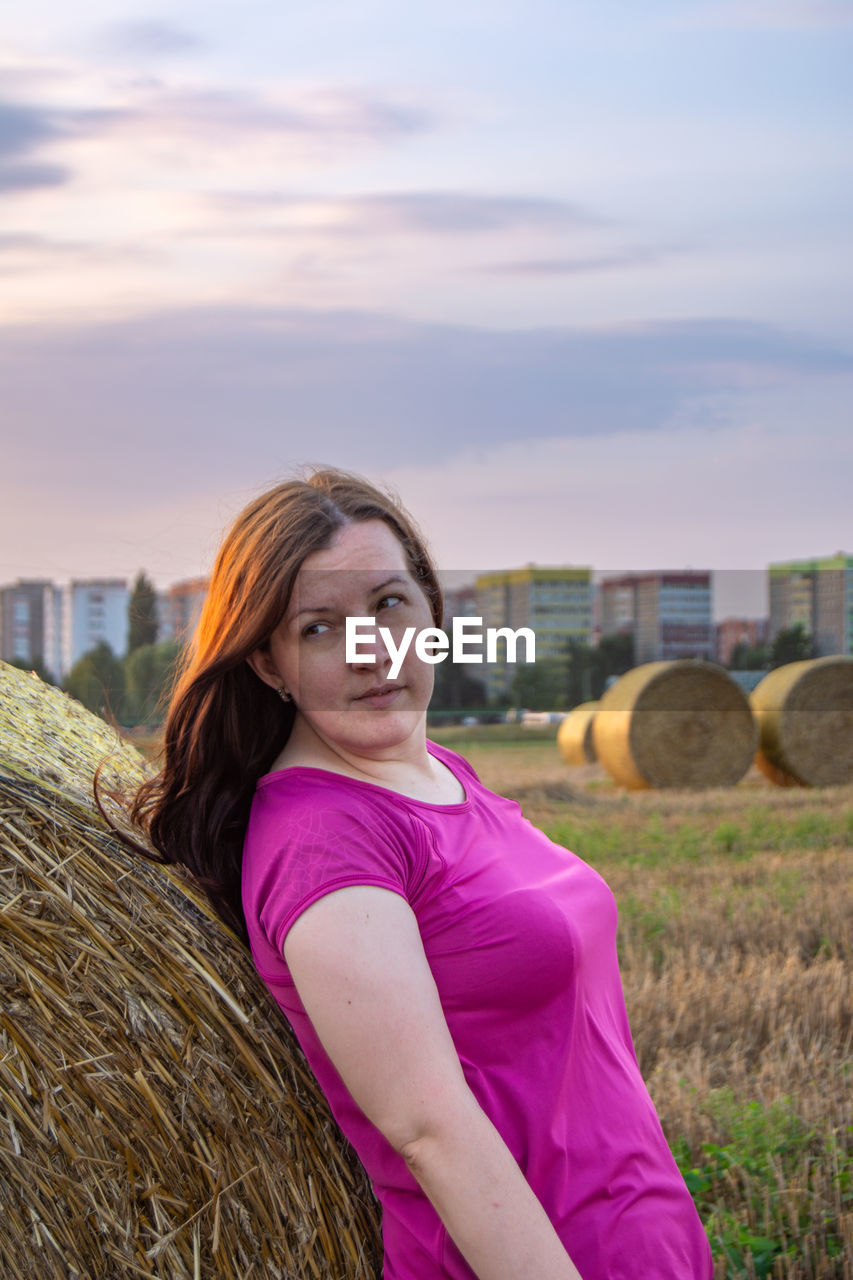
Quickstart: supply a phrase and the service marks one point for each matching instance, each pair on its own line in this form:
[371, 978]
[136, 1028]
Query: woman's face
[352, 706]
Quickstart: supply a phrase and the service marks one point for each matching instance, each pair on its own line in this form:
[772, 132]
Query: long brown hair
[225, 726]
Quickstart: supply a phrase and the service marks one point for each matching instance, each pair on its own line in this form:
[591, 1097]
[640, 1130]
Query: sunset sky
[575, 279]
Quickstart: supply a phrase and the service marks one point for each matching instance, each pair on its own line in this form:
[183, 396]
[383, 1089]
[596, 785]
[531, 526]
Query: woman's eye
[388, 602]
[316, 629]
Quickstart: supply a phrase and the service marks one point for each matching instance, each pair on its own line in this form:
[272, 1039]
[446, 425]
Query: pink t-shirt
[520, 936]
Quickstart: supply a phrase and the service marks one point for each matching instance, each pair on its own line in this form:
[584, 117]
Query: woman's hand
[359, 966]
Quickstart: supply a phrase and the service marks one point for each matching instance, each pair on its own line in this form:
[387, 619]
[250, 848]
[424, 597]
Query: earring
[283, 694]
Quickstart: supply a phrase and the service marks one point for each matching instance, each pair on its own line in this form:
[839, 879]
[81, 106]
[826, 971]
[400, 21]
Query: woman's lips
[381, 695]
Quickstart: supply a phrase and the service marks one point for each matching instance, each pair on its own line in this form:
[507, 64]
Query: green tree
[746, 657]
[581, 683]
[590, 669]
[794, 644]
[36, 665]
[539, 686]
[614, 656]
[455, 688]
[97, 680]
[142, 614]
[148, 672]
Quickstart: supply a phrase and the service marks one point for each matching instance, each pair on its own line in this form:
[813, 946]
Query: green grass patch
[761, 1149]
[815, 830]
[652, 843]
[728, 836]
[649, 843]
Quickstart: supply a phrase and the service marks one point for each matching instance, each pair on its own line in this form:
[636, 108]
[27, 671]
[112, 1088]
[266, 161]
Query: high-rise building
[667, 612]
[817, 594]
[179, 609]
[791, 593]
[617, 605]
[554, 602]
[459, 602]
[29, 630]
[94, 611]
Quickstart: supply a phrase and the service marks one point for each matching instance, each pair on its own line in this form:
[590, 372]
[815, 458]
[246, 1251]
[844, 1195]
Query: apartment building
[817, 594]
[179, 609]
[669, 613]
[94, 611]
[617, 605]
[554, 602]
[459, 602]
[30, 613]
[58, 624]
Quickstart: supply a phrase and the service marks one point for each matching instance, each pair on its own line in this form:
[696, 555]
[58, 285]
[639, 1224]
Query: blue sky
[574, 278]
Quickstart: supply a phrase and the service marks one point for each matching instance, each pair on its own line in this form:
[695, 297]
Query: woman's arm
[359, 966]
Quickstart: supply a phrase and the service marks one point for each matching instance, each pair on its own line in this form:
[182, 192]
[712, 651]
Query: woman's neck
[405, 766]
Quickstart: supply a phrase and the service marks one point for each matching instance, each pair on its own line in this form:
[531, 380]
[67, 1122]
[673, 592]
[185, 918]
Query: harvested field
[736, 942]
[736, 938]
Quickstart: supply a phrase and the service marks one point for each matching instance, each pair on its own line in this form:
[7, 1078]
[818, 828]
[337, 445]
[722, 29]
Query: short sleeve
[306, 841]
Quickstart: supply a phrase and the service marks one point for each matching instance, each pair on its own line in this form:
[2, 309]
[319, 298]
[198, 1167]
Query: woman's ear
[260, 660]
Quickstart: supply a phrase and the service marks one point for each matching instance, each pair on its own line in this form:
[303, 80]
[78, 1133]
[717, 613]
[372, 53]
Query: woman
[450, 973]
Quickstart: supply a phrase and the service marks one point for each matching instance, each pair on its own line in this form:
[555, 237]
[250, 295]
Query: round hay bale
[158, 1117]
[574, 736]
[675, 724]
[805, 717]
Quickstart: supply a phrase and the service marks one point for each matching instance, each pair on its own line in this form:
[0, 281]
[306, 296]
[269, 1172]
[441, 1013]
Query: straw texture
[675, 724]
[574, 736]
[156, 1115]
[805, 716]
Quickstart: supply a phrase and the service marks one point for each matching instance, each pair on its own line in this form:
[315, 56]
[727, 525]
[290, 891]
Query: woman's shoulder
[304, 803]
[310, 832]
[305, 790]
[296, 779]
